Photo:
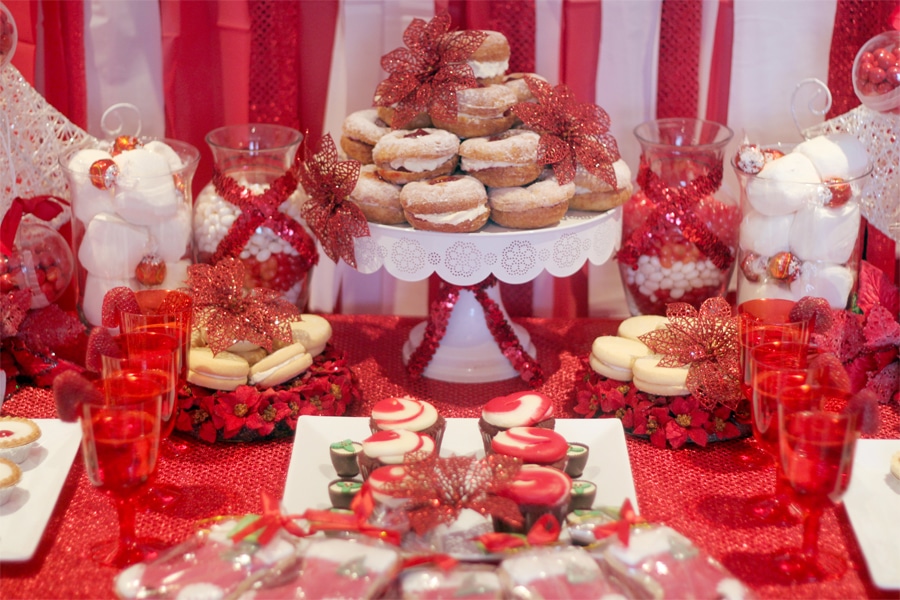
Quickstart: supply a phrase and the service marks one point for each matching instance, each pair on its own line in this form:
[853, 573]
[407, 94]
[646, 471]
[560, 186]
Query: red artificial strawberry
[175, 303]
[817, 310]
[70, 391]
[118, 299]
[100, 343]
[151, 270]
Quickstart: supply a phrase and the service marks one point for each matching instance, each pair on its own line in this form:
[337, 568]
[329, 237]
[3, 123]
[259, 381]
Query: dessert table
[697, 491]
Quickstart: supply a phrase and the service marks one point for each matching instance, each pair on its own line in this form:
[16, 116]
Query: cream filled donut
[490, 60]
[519, 86]
[481, 111]
[541, 204]
[379, 200]
[452, 203]
[507, 159]
[360, 132]
[403, 155]
[594, 194]
[386, 114]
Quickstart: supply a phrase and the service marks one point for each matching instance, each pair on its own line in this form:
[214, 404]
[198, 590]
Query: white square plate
[310, 468]
[873, 505]
[24, 516]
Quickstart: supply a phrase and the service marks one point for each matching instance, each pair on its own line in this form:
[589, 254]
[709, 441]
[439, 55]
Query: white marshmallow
[836, 155]
[825, 234]
[166, 151]
[95, 289]
[173, 235]
[747, 290]
[784, 185]
[766, 235]
[87, 200]
[111, 247]
[145, 189]
[832, 282]
[176, 275]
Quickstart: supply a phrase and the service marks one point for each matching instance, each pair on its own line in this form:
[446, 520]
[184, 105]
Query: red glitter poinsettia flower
[333, 218]
[229, 314]
[571, 132]
[688, 422]
[707, 341]
[425, 76]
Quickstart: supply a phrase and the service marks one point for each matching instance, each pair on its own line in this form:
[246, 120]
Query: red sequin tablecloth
[698, 492]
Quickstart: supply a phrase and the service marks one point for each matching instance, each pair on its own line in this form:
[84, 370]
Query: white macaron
[613, 356]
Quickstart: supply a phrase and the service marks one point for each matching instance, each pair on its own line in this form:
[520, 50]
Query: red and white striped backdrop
[192, 66]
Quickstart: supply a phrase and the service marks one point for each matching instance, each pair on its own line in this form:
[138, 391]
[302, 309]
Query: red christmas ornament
[328, 182]
[151, 270]
[571, 132]
[425, 76]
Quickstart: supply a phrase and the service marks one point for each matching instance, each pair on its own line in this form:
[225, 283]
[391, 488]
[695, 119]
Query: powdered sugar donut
[519, 86]
[490, 60]
[541, 204]
[403, 156]
[360, 132]
[453, 203]
[378, 199]
[594, 194]
[386, 114]
[480, 111]
[507, 159]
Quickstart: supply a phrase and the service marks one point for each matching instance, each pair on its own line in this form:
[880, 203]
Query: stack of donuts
[456, 175]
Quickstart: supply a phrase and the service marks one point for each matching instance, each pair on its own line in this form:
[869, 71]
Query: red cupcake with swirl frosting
[538, 490]
[410, 414]
[392, 447]
[521, 409]
[533, 445]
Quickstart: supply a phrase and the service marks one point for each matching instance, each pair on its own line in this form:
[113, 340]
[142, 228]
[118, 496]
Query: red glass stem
[127, 511]
[811, 521]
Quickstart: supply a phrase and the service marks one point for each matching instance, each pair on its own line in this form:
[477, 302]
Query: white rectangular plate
[310, 468]
[873, 505]
[24, 516]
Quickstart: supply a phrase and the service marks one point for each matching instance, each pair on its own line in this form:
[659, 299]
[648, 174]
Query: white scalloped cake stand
[468, 353]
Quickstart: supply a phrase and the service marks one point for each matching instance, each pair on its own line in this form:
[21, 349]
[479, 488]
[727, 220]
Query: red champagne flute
[167, 312]
[817, 450]
[776, 367]
[120, 445]
[764, 320]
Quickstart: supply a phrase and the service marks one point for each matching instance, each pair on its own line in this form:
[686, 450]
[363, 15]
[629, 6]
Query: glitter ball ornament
[40, 261]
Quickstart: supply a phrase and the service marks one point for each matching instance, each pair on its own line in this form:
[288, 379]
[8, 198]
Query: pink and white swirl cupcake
[533, 445]
[392, 447]
[521, 409]
[410, 414]
[537, 491]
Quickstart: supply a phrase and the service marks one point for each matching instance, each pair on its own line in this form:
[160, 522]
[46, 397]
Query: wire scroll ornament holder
[468, 336]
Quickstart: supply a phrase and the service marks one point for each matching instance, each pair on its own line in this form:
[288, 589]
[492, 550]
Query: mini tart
[16, 436]
[10, 475]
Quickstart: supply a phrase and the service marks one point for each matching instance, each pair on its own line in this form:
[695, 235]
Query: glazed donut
[359, 133]
[386, 114]
[453, 203]
[378, 199]
[594, 194]
[481, 111]
[491, 60]
[403, 156]
[541, 204]
[507, 159]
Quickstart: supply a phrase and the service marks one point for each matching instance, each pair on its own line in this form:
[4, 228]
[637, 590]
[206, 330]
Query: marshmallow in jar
[132, 208]
[800, 230]
[255, 156]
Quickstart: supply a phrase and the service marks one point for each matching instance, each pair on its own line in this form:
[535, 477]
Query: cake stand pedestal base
[468, 352]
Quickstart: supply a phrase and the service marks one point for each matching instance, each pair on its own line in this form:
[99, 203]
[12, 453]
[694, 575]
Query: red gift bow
[545, 531]
[528, 369]
[675, 206]
[622, 527]
[45, 208]
[270, 522]
[261, 210]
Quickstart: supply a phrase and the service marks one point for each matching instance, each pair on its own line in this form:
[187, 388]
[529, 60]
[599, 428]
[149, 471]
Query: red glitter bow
[707, 341]
[270, 522]
[675, 207]
[545, 531]
[425, 76]
[229, 314]
[440, 488]
[42, 207]
[328, 182]
[262, 210]
[529, 370]
[622, 527]
[571, 132]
